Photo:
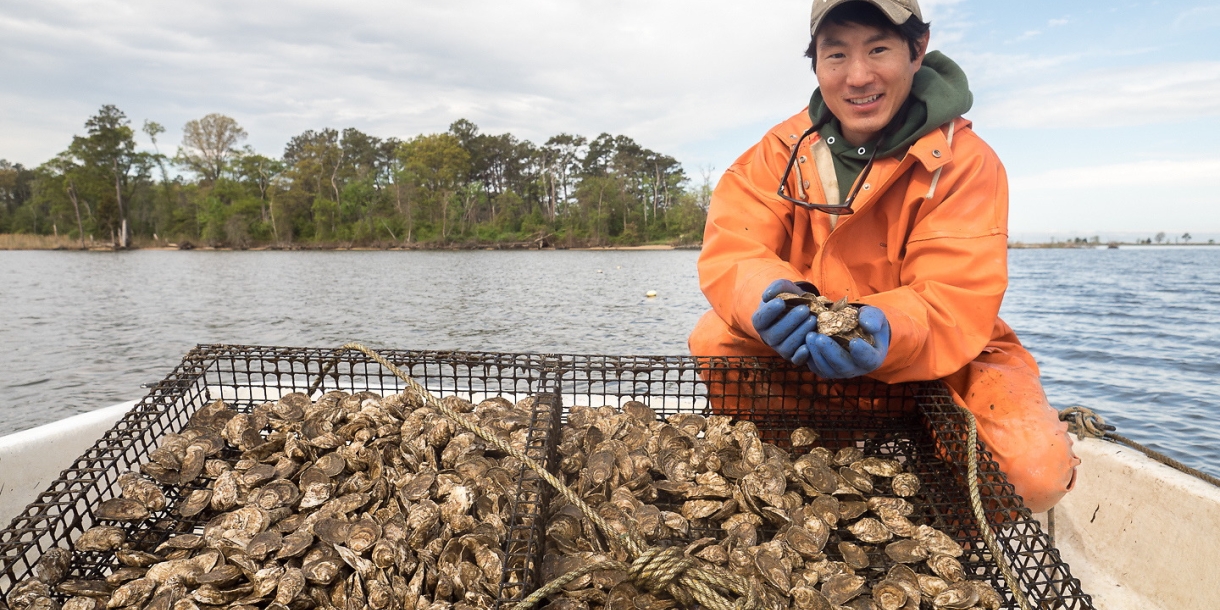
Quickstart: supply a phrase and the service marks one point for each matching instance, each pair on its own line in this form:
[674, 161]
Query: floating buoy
[650, 293]
[599, 270]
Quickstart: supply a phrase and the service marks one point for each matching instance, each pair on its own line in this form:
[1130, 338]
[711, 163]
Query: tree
[258, 173]
[16, 187]
[347, 186]
[1186, 237]
[111, 164]
[1160, 237]
[437, 165]
[208, 144]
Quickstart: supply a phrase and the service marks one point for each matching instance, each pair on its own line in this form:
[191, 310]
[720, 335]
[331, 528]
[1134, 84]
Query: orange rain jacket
[927, 244]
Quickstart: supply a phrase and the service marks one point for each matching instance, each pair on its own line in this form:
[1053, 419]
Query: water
[1131, 333]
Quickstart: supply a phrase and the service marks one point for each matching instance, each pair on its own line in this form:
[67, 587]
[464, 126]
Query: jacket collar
[932, 151]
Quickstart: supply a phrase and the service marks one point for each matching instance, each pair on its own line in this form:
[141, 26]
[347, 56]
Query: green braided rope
[976, 503]
[676, 577]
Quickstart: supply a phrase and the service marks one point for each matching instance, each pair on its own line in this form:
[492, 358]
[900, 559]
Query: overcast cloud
[699, 80]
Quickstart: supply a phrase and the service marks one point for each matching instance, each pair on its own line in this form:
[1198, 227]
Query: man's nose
[859, 74]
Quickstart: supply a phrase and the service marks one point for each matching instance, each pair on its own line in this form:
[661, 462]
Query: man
[880, 192]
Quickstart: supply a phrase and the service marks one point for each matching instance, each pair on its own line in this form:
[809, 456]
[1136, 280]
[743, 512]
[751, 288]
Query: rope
[976, 503]
[1084, 423]
[688, 580]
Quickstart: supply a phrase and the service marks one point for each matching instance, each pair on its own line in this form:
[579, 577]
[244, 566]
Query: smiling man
[880, 192]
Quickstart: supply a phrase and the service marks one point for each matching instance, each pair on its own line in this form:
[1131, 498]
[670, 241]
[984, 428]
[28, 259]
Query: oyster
[890, 595]
[842, 588]
[52, 567]
[905, 484]
[142, 490]
[838, 319]
[803, 437]
[81, 587]
[906, 551]
[121, 509]
[101, 538]
[958, 596]
[947, 568]
[870, 530]
[853, 555]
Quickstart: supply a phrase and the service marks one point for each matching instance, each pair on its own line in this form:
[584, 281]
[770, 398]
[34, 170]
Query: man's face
[865, 75]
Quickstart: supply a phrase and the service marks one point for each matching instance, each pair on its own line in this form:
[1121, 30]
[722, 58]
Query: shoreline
[1058, 245]
[62, 243]
[173, 247]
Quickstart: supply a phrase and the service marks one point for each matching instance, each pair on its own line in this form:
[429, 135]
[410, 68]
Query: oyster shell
[803, 437]
[906, 551]
[52, 567]
[958, 596]
[101, 538]
[842, 588]
[853, 555]
[947, 568]
[905, 485]
[121, 509]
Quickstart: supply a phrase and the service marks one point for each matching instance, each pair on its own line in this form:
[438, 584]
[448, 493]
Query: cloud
[673, 75]
[1115, 97]
[1144, 195]
[1146, 173]
[1199, 17]
[1057, 22]
[1026, 35]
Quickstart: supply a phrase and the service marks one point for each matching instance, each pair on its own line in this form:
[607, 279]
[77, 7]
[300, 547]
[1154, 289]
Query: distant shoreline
[1017, 245]
[51, 242]
[62, 243]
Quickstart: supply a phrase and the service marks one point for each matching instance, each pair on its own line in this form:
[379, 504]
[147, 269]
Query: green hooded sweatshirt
[939, 93]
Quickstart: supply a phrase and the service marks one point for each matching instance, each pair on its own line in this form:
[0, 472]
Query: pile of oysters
[351, 502]
[358, 502]
[826, 530]
[838, 320]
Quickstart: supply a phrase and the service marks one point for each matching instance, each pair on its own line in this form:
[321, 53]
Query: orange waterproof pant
[1015, 421]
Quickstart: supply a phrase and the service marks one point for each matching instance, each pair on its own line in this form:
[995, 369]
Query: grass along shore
[21, 241]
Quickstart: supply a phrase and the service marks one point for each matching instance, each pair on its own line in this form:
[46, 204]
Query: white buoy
[599, 270]
[650, 293]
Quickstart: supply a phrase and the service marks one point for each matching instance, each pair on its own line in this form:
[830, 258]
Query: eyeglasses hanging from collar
[840, 209]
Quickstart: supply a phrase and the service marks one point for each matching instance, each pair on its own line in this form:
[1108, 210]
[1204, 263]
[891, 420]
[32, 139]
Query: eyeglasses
[840, 209]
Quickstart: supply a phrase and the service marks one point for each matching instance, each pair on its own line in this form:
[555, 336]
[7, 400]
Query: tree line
[460, 188]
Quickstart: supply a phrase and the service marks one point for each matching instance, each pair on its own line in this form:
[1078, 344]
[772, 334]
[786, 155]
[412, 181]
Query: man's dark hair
[867, 14]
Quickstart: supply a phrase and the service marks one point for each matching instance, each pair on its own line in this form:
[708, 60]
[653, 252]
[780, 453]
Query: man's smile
[860, 101]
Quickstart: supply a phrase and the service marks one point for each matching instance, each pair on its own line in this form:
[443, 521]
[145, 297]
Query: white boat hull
[1139, 534]
[31, 459]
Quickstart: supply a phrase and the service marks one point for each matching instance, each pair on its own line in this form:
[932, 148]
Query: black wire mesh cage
[917, 424]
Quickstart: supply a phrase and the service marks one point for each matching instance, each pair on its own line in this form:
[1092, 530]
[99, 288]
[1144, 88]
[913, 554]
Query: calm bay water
[1132, 333]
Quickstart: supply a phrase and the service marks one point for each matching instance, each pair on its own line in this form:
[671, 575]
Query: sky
[1106, 115]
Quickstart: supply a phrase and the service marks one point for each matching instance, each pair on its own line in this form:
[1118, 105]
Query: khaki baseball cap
[897, 10]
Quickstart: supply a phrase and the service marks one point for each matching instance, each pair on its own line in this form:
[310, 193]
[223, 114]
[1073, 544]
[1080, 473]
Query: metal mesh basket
[916, 423]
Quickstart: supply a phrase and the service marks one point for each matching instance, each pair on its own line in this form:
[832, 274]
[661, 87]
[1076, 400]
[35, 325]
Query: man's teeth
[864, 100]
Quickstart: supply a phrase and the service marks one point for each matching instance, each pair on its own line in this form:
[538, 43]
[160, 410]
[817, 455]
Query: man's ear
[921, 49]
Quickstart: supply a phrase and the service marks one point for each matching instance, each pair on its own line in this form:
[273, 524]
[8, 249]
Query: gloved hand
[829, 360]
[783, 329]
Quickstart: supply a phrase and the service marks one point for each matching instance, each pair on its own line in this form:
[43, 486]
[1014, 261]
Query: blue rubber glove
[783, 329]
[829, 360]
